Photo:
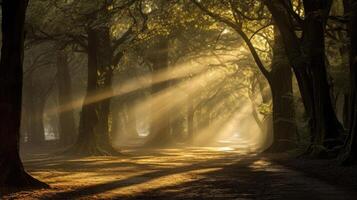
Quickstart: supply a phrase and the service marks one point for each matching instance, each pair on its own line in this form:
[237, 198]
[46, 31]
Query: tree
[66, 118]
[350, 154]
[160, 127]
[38, 83]
[307, 57]
[101, 29]
[284, 126]
[12, 170]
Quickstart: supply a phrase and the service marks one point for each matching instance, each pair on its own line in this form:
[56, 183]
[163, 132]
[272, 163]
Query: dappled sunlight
[137, 172]
[178, 100]
[259, 164]
[167, 180]
[225, 149]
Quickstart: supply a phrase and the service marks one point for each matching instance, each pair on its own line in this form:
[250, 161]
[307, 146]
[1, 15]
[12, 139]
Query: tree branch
[234, 26]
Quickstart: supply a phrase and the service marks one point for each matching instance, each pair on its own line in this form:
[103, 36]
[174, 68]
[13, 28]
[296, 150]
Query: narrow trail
[187, 173]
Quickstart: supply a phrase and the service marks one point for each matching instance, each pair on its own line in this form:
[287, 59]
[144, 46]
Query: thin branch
[228, 22]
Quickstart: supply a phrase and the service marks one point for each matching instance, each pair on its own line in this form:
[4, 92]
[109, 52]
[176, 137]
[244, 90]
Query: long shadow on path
[89, 191]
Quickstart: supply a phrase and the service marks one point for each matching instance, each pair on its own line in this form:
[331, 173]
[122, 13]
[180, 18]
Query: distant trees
[101, 30]
[67, 127]
[160, 127]
[104, 54]
[12, 170]
[37, 91]
[283, 37]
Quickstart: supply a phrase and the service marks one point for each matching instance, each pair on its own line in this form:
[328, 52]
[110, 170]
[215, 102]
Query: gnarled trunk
[12, 170]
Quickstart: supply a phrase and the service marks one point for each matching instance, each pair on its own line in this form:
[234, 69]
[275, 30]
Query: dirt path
[189, 173]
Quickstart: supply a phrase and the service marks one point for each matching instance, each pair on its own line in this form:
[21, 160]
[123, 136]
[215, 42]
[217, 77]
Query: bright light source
[225, 31]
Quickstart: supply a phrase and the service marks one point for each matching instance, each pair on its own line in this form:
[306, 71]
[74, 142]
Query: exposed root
[19, 181]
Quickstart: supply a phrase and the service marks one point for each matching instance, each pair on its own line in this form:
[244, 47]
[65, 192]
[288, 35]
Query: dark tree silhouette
[307, 57]
[350, 155]
[12, 170]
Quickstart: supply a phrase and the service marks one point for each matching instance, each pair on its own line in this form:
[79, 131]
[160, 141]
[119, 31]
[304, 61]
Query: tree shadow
[234, 181]
[137, 179]
[245, 179]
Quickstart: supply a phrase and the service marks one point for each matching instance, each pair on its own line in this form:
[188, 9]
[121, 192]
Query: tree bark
[327, 128]
[87, 140]
[280, 79]
[350, 155]
[12, 174]
[105, 66]
[66, 118]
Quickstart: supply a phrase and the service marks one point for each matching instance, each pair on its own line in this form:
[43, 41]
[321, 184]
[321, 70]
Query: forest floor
[179, 173]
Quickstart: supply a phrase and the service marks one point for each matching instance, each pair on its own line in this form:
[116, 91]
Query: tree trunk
[93, 137]
[87, 140]
[327, 128]
[350, 155]
[66, 118]
[307, 57]
[105, 66]
[160, 126]
[12, 174]
[284, 125]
